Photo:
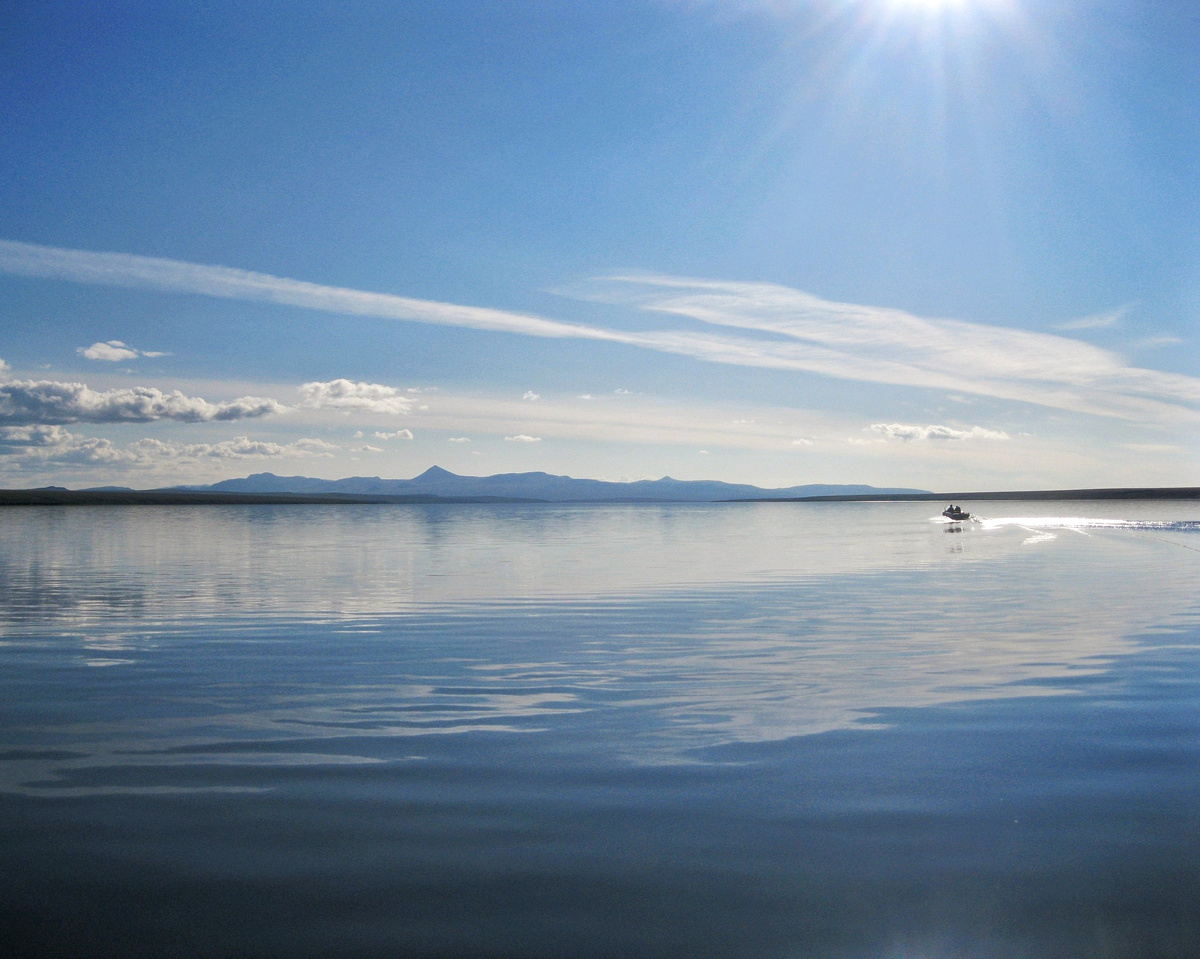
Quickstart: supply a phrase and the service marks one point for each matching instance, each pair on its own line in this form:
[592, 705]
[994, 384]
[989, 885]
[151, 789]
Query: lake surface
[731, 730]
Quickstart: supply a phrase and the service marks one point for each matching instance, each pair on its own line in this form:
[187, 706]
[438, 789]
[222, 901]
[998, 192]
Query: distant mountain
[543, 487]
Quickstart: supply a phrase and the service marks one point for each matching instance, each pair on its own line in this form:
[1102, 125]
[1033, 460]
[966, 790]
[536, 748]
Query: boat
[955, 512]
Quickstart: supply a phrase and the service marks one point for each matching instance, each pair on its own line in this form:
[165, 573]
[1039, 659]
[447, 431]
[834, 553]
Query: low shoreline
[65, 497]
[1118, 493]
[155, 497]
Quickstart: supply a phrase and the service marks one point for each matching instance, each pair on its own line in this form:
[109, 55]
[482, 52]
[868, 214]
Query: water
[759, 730]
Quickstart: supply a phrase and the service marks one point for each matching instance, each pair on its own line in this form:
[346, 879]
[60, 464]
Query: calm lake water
[740, 730]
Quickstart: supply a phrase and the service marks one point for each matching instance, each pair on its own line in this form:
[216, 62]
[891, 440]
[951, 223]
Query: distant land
[540, 487]
[437, 485]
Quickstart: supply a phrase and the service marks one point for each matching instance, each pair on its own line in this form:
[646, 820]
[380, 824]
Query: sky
[945, 244]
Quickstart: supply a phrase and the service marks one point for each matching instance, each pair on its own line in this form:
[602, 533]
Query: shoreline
[1115, 493]
[66, 497]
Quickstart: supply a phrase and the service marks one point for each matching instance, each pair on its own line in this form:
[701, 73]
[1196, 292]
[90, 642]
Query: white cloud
[530, 395]
[1096, 320]
[56, 445]
[1155, 342]
[4, 367]
[27, 437]
[346, 395]
[794, 330]
[802, 442]
[398, 435]
[523, 438]
[144, 272]
[781, 328]
[459, 439]
[899, 431]
[366, 448]
[623, 392]
[47, 401]
[240, 447]
[586, 396]
[113, 351]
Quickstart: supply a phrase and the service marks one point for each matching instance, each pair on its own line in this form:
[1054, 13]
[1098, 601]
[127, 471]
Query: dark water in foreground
[774, 730]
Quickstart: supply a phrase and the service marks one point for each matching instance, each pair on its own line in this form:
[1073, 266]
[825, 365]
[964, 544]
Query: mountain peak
[436, 472]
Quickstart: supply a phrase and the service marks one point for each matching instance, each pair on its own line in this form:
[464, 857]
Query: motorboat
[955, 512]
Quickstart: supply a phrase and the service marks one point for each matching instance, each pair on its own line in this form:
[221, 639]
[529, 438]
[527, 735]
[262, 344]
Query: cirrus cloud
[763, 325]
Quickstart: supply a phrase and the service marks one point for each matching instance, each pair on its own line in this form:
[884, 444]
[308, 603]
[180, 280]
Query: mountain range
[542, 487]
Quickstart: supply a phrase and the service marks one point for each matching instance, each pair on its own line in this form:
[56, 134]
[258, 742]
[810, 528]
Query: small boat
[955, 512]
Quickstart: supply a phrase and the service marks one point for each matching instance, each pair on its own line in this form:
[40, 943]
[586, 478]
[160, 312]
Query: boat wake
[1043, 528]
[1085, 523]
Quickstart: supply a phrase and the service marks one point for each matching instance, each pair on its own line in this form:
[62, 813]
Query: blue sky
[936, 243]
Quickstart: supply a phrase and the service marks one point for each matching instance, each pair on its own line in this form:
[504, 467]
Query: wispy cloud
[693, 422]
[1153, 447]
[530, 395]
[1156, 342]
[4, 367]
[523, 438]
[796, 330]
[347, 396]
[776, 327]
[397, 435]
[114, 351]
[145, 272]
[458, 439]
[47, 401]
[900, 431]
[1096, 321]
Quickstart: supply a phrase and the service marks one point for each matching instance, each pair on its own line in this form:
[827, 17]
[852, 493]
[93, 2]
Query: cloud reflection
[351, 635]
